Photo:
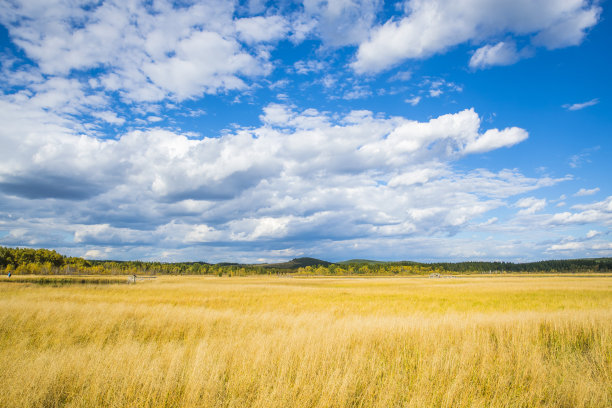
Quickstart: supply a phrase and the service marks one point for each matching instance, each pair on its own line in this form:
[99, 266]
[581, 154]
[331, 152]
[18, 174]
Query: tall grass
[65, 280]
[277, 342]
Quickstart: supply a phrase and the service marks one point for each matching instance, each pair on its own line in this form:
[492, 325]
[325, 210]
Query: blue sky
[260, 131]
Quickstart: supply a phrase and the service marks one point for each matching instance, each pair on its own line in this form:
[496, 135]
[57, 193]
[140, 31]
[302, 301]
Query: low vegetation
[308, 342]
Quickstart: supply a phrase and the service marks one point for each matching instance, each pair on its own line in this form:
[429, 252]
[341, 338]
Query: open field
[308, 342]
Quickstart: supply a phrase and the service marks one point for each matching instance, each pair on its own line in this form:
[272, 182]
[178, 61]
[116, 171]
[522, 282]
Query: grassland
[308, 342]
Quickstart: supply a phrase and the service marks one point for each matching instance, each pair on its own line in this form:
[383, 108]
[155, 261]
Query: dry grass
[61, 280]
[281, 342]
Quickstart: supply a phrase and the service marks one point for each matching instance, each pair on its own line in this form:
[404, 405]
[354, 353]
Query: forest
[21, 261]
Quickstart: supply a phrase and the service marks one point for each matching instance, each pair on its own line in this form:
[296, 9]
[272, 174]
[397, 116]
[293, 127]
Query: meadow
[473, 341]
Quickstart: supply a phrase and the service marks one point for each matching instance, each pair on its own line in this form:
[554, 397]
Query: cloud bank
[432, 27]
[302, 174]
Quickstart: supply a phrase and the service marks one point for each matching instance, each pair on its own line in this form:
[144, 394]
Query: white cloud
[418, 176]
[605, 205]
[204, 63]
[301, 174]
[262, 29]
[530, 205]
[502, 53]
[307, 67]
[597, 248]
[579, 159]
[434, 87]
[592, 234]
[328, 81]
[62, 96]
[107, 234]
[433, 26]
[413, 101]
[401, 76]
[147, 53]
[567, 246]
[596, 213]
[586, 192]
[95, 254]
[109, 117]
[357, 92]
[199, 233]
[494, 139]
[579, 106]
[490, 221]
[260, 228]
[569, 29]
[340, 22]
[435, 92]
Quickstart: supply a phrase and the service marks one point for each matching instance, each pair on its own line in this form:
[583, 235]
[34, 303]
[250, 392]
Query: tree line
[48, 262]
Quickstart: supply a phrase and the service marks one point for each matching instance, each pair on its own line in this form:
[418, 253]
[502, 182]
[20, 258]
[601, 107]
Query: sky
[260, 131]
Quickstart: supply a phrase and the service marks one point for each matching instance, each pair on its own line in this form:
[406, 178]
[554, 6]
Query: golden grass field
[528, 341]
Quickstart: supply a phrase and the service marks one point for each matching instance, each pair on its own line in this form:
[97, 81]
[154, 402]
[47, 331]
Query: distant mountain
[296, 263]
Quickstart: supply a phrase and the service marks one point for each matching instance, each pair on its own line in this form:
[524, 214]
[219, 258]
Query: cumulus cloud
[203, 63]
[146, 52]
[494, 139]
[302, 174]
[569, 29]
[502, 53]
[431, 27]
[262, 29]
[96, 254]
